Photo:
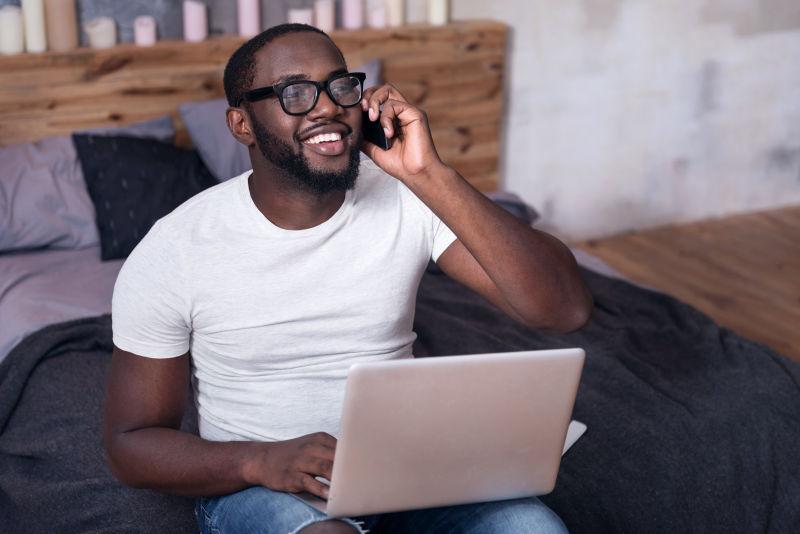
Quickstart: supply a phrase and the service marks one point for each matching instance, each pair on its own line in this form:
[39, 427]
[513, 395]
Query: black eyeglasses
[300, 96]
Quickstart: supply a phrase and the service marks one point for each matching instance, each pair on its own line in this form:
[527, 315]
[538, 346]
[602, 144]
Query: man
[278, 280]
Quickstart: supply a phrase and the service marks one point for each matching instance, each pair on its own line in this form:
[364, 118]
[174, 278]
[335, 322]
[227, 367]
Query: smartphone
[373, 132]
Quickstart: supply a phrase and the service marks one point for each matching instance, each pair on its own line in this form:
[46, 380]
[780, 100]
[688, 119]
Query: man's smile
[327, 140]
[327, 144]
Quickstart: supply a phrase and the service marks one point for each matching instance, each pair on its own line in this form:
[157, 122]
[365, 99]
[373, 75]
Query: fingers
[316, 460]
[370, 149]
[317, 456]
[318, 467]
[313, 486]
[365, 97]
[374, 97]
[292, 465]
[404, 112]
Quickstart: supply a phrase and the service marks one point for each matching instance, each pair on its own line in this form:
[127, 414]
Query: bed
[690, 426]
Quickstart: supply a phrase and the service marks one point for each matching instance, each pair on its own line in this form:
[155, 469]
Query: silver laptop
[430, 432]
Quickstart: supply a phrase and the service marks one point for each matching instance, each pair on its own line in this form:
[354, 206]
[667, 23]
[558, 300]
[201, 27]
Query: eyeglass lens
[299, 97]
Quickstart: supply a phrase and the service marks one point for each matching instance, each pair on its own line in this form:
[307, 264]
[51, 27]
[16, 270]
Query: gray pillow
[224, 156]
[43, 197]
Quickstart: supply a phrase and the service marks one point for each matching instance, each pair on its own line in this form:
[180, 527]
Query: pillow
[221, 152]
[43, 198]
[224, 156]
[134, 182]
[160, 128]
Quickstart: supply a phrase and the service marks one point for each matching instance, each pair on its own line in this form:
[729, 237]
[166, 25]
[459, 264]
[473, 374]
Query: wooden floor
[743, 271]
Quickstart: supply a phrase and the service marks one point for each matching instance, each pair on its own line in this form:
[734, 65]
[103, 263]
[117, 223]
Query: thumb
[370, 149]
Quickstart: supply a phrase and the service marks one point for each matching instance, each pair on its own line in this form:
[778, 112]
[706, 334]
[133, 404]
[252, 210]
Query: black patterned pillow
[133, 183]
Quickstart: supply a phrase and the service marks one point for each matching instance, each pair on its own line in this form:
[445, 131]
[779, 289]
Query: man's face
[288, 141]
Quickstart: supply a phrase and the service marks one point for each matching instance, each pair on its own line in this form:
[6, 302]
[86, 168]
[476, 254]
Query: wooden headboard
[454, 72]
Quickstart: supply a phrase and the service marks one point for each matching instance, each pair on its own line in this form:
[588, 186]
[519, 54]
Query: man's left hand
[412, 154]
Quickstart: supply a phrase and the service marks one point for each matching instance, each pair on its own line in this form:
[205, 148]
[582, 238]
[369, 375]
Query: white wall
[632, 113]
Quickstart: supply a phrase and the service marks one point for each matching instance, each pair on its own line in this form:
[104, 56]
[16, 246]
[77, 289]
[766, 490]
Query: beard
[299, 170]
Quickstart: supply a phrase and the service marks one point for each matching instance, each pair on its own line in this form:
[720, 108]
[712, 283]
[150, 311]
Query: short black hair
[241, 68]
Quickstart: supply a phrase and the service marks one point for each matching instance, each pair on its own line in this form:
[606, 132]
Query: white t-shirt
[273, 317]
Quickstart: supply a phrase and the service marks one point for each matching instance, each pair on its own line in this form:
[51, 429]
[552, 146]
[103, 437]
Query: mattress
[51, 286]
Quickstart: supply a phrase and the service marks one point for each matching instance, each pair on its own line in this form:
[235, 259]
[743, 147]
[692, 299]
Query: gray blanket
[691, 427]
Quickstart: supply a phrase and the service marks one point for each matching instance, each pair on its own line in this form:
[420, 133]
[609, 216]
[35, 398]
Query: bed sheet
[46, 287]
[51, 286]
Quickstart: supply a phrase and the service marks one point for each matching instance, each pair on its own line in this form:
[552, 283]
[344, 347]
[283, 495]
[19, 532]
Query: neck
[278, 198]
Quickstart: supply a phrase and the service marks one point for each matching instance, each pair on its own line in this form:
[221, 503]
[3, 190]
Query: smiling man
[265, 289]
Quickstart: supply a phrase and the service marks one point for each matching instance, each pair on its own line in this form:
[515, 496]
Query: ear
[239, 124]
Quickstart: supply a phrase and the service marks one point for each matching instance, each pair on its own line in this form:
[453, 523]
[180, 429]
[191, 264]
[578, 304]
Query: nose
[325, 108]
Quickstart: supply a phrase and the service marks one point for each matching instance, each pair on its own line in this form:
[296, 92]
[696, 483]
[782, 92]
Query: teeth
[323, 138]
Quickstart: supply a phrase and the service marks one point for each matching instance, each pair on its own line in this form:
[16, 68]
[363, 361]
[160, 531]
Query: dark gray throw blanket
[691, 428]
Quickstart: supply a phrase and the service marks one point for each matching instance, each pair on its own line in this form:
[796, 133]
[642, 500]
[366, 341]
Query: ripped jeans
[261, 510]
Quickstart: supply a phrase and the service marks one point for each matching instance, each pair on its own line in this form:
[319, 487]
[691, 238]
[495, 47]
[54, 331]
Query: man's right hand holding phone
[412, 154]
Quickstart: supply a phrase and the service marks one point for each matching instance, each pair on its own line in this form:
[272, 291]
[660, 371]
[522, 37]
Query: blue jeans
[261, 510]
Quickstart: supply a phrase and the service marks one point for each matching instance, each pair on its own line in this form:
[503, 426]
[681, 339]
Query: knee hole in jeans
[332, 526]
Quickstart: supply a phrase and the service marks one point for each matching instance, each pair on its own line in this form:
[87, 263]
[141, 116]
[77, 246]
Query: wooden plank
[455, 72]
[52, 100]
[743, 271]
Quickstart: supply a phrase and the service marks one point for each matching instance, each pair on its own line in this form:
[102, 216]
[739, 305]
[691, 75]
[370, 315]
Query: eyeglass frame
[254, 95]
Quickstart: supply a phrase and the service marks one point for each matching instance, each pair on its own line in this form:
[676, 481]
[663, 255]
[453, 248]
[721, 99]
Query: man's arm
[529, 274]
[145, 402]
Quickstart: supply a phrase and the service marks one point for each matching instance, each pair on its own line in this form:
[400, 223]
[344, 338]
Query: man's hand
[412, 154]
[292, 465]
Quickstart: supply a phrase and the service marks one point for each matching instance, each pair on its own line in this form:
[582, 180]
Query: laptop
[429, 432]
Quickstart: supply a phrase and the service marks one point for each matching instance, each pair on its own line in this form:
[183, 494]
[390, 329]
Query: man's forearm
[535, 272]
[177, 462]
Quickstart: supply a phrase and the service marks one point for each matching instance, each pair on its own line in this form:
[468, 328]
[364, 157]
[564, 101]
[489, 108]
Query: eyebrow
[300, 76]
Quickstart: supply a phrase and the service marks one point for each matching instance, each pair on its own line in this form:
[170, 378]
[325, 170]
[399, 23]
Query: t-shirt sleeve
[441, 236]
[150, 307]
